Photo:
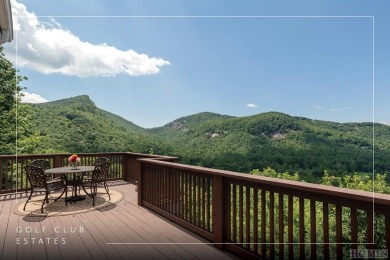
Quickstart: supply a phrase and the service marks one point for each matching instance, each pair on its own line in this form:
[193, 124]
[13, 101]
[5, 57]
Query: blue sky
[225, 57]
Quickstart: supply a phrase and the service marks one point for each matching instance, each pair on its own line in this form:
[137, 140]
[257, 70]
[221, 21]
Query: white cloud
[251, 105]
[32, 98]
[339, 109]
[48, 48]
[385, 122]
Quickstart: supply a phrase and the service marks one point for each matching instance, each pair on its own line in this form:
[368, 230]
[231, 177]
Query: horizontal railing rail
[122, 166]
[262, 217]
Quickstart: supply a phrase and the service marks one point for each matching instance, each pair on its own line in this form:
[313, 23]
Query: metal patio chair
[99, 177]
[38, 183]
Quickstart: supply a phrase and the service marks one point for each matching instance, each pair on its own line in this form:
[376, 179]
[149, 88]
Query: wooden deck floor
[144, 234]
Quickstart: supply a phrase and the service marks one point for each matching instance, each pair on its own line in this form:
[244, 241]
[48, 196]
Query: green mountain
[77, 125]
[273, 139]
[278, 140]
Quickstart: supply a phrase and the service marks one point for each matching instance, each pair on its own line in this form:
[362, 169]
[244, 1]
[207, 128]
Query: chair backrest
[101, 160]
[36, 176]
[44, 164]
[100, 172]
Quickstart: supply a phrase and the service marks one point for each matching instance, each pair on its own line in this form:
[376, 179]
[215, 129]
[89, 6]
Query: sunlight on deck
[120, 232]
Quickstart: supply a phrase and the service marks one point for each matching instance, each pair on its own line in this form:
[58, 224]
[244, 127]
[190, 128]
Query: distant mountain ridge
[77, 125]
[284, 142]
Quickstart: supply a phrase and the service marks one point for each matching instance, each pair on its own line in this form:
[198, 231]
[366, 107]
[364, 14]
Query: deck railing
[251, 216]
[122, 166]
[260, 217]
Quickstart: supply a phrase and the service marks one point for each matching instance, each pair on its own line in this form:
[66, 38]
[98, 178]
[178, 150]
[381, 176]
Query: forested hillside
[276, 140]
[280, 141]
[77, 125]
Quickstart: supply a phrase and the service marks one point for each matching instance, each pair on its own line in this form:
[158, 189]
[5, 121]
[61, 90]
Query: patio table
[77, 180]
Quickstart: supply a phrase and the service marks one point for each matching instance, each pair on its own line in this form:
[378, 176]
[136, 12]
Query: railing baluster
[247, 217]
[325, 208]
[241, 215]
[281, 227]
[162, 187]
[186, 195]
[313, 231]
[255, 221]
[191, 199]
[151, 185]
[186, 200]
[290, 226]
[226, 211]
[177, 193]
[151, 181]
[7, 186]
[11, 176]
[209, 228]
[302, 228]
[117, 167]
[370, 229]
[20, 175]
[263, 224]
[199, 201]
[339, 235]
[353, 229]
[234, 240]
[181, 195]
[271, 224]
[155, 184]
[165, 185]
[145, 191]
[170, 191]
[203, 203]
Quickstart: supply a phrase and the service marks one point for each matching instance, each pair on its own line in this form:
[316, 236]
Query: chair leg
[24, 208]
[45, 200]
[107, 190]
[66, 195]
[82, 186]
[92, 194]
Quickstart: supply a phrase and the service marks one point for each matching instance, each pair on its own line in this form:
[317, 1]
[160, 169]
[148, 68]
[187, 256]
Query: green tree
[10, 115]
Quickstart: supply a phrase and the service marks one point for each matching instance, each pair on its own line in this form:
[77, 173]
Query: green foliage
[76, 125]
[11, 113]
[276, 140]
[269, 172]
[378, 184]
[285, 143]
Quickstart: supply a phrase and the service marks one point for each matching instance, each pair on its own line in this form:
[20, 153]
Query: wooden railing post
[218, 211]
[57, 161]
[125, 167]
[138, 170]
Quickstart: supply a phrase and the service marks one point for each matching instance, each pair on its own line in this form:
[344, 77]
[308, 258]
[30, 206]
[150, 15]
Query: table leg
[75, 197]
